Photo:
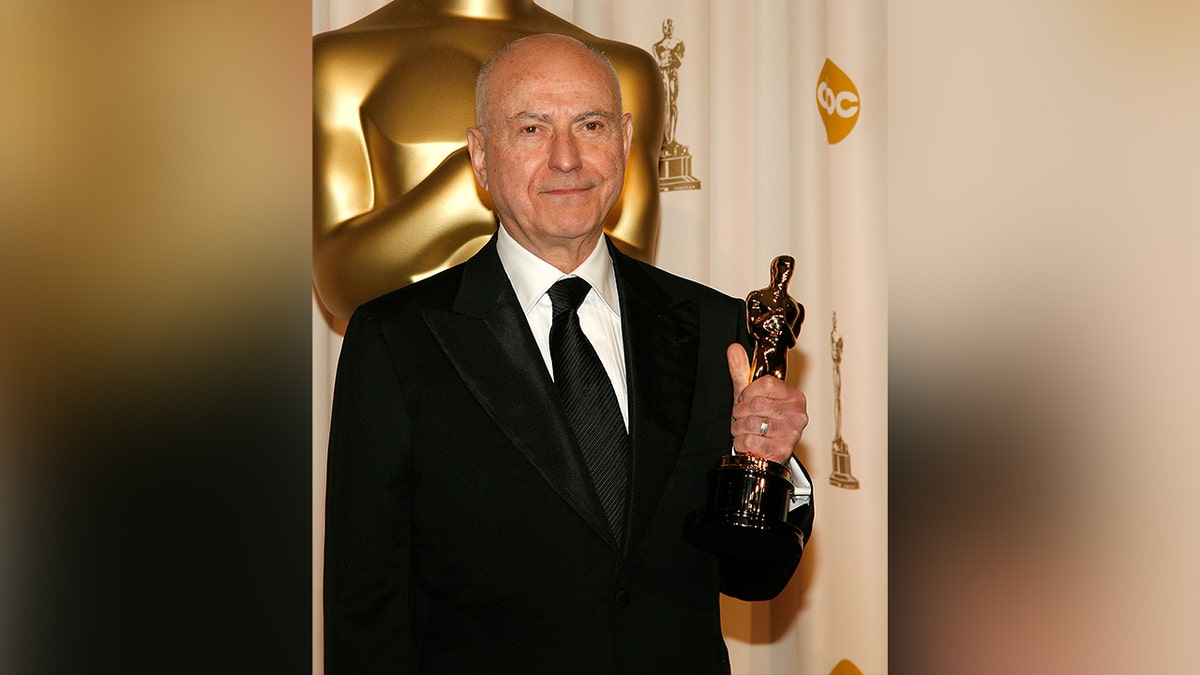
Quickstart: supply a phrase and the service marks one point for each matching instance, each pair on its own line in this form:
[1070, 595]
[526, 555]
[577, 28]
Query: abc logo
[837, 99]
[842, 104]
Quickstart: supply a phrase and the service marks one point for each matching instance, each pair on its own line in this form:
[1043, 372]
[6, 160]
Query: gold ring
[762, 428]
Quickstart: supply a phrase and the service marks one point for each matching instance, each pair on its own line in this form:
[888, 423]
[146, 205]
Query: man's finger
[739, 368]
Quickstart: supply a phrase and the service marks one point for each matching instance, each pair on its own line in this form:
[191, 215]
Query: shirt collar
[531, 276]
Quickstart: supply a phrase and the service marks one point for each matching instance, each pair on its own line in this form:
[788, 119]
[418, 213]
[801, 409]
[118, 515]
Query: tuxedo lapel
[487, 338]
[661, 347]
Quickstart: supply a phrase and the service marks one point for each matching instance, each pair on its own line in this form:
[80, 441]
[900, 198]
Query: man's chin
[575, 226]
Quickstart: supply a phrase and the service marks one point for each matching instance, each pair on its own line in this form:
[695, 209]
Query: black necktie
[589, 400]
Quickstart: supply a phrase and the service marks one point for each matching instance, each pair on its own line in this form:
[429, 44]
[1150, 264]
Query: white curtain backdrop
[771, 182]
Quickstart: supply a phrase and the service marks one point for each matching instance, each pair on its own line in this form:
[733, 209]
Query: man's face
[554, 155]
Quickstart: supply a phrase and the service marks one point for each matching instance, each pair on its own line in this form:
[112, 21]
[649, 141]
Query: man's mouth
[567, 190]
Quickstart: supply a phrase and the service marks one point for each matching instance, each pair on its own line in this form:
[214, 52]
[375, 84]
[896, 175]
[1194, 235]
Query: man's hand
[769, 400]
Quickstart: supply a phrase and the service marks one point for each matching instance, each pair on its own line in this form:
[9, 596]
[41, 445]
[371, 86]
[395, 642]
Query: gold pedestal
[675, 173]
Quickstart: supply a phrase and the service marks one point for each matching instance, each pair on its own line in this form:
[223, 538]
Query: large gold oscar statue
[394, 198]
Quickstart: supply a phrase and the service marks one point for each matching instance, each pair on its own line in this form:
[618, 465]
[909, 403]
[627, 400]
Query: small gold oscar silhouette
[674, 161]
[749, 497]
[841, 476]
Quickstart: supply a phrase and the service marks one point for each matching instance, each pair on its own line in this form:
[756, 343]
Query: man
[465, 532]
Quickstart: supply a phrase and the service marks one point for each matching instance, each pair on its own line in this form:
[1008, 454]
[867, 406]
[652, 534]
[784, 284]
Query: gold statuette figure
[774, 319]
[748, 496]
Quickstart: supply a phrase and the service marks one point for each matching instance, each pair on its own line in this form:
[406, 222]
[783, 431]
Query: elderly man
[517, 441]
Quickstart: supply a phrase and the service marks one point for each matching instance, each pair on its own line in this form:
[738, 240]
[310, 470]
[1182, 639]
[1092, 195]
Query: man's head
[550, 143]
[668, 28]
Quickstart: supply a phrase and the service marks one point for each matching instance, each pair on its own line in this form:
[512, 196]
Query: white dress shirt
[599, 315]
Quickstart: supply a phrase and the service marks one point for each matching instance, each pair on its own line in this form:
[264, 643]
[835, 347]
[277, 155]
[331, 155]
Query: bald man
[466, 528]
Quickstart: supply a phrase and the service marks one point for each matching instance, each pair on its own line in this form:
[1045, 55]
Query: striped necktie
[589, 400]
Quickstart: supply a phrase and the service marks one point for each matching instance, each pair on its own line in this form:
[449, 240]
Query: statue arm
[361, 248]
[382, 249]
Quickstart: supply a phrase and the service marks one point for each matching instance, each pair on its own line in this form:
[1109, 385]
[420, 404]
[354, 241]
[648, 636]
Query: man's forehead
[546, 48]
[551, 75]
[546, 56]
[562, 69]
[558, 93]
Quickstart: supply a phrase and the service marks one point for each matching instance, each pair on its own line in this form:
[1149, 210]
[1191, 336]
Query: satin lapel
[661, 346]
[488, 340]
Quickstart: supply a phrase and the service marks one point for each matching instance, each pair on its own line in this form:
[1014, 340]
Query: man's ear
[475, 145]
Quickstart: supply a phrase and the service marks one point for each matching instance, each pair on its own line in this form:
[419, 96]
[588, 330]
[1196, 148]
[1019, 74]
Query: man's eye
[592, 126]
[531, 129]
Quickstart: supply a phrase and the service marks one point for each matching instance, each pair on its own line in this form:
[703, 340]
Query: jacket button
[622, 598]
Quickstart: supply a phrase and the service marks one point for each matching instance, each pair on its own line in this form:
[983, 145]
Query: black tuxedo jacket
[462, 534]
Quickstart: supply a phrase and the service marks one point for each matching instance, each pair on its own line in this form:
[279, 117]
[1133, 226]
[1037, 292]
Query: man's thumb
[739, 368]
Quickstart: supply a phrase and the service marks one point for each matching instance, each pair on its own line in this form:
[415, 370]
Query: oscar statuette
[749, 497]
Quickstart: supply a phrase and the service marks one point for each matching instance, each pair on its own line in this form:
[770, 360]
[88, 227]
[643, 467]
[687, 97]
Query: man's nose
[564, 152]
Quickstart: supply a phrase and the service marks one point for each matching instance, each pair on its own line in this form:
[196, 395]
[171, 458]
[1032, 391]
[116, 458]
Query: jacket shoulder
[437, 291]
[678, 287]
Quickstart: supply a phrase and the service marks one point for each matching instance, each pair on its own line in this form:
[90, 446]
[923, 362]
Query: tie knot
[568, 294]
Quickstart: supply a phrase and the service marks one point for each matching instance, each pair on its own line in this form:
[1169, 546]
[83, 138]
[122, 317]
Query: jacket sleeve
[368, 542]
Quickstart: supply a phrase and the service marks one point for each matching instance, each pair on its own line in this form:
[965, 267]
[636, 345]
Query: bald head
[543, 49]
[550, 144]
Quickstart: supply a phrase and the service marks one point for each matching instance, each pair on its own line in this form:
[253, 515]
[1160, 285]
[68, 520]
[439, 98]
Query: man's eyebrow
[529, 116]
[592, 114]
[544, 118]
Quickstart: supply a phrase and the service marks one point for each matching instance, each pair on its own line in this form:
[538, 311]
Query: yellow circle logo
[837, 99]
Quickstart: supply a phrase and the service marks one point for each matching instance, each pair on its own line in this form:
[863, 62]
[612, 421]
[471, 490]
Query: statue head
[781, 271]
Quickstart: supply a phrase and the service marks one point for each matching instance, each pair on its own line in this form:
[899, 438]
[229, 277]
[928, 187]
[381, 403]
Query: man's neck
[565, 255]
